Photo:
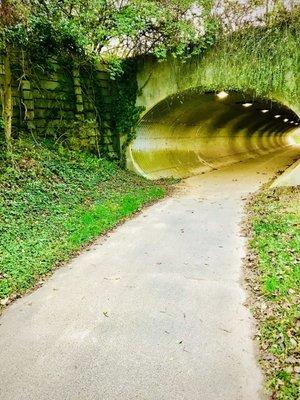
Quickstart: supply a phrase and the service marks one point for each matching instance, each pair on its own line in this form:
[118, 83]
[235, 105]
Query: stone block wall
[68, 101]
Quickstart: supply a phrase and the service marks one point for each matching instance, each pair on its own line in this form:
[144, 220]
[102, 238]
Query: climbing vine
[78, 32]
[264, 59]
[125, 113]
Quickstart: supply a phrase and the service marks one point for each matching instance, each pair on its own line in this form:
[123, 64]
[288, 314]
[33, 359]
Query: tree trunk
[7, 105]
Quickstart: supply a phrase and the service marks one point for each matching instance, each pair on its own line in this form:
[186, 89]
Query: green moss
[123, 109]
[265, 61]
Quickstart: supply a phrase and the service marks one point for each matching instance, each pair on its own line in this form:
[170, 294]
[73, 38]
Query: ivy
[125, 113]
[264, 60]
[92, 31]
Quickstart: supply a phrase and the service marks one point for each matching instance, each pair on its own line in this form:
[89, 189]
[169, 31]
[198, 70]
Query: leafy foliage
[125, 113]
[90, 30]
[151, 26]
[52, 202]
[76, 32]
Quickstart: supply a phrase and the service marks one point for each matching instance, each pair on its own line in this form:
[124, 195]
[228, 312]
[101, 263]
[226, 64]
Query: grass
[53, 201]
[273, 275]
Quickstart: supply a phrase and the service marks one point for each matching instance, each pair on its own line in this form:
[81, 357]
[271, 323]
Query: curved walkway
[152, 311]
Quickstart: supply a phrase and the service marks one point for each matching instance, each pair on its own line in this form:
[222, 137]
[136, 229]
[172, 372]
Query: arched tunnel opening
[195, 132]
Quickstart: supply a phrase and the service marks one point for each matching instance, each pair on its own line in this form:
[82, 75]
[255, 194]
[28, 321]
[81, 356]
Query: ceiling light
[285, 120]
[277, 116]
[222, 95]
[292, 122]
[264, 111]
[247, 104]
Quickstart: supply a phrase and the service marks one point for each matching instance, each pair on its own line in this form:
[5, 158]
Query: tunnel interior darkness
[195, 132]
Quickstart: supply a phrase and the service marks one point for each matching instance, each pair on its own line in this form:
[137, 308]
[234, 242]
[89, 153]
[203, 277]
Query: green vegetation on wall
[124, 112]
[73, 34]
[46, 45]
[265, 60]
[59, 97]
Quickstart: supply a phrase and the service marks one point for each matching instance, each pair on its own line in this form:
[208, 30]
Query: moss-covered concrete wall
[185, 128]
[77, 103]
[65, 100]
[259, 63]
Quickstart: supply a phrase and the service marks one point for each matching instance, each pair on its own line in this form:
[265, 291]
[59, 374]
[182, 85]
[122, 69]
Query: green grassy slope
[52, 202]
[273, 274]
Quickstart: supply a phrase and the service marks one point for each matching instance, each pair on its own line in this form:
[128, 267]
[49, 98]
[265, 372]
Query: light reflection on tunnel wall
[193, 133]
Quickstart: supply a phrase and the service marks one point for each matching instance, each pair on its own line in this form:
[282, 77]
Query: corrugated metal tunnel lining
[195, 132]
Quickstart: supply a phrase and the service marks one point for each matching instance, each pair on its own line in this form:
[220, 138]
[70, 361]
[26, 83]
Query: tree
[11, 13]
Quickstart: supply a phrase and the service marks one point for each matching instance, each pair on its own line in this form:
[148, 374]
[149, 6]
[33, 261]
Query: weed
[52, 202]
[275, 244]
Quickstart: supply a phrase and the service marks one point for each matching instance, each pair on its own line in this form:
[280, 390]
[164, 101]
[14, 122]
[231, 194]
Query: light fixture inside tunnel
[264, 111]
[222, 95]
[285, 120]
[247, 104]
[277, 116]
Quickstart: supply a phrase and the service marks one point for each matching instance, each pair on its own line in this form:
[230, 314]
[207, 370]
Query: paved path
[169, 282]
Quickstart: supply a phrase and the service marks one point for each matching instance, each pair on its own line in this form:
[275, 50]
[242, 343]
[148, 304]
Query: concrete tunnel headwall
[186, 128]
[193, 132]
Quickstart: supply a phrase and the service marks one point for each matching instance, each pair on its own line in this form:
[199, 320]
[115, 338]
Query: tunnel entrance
[195, 132]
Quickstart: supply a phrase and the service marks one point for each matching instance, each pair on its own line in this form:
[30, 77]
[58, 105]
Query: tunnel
[194, 132]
